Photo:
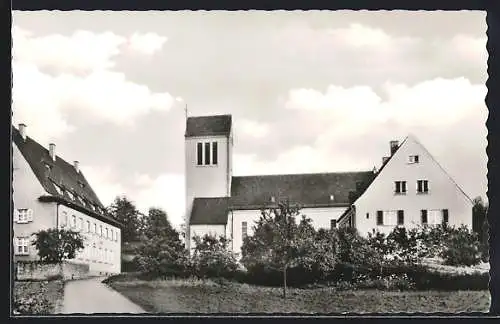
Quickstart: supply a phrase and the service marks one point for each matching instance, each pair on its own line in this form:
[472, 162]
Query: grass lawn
[41, 297]
[193, 296]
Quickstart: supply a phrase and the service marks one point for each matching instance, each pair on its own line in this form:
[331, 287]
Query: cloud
[105, 182]
[104, 95]
[251, 128]
[165, 191]
[82, 51]
[359, 35]
[147, 44]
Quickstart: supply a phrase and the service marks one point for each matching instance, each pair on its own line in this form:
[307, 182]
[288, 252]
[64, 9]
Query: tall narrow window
[401, 217]
[88, 226]
[199, 152]
[214, 153]
[73, 221]
[423, 216]
[244, 230]
[380, 217]
[445, 216]
[207, 153]
[333, 223]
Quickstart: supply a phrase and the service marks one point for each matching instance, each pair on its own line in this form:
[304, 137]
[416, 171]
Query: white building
[410, 188]
[49, 193]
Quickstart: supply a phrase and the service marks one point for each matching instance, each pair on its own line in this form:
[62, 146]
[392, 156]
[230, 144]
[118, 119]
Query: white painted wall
[206, 180]
[102, 253]
[201, 230]
[443, 193]
[26, 190]
[320, 217]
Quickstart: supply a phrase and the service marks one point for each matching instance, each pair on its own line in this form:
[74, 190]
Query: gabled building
[49, 192]
[410, 188]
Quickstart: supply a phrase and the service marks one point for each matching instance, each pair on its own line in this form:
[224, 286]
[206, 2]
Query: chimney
[76, 164]
[384, 159]
[394, 146]
[22, 130]
[52, 151]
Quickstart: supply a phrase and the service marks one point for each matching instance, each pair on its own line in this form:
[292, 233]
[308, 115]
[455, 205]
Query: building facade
[411, 188]
[50, 193]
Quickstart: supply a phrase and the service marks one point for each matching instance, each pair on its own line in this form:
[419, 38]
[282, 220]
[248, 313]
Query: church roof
[256, 192]
[208, 125]
[63, 183]
[307, 190]
[209, 211]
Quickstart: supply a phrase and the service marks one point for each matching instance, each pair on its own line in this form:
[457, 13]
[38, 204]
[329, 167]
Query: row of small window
[207, 153]
[22, 245]
[96, 254]
[397, 217]
[422, 187]
[75, 197]
[103, 232]
[23, 215]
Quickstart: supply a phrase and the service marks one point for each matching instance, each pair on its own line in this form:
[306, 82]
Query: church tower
[208, 160]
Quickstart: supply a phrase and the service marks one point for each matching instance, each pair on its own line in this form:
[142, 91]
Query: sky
[316, 91]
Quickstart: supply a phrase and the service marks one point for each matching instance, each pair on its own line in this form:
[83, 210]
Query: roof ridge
[299, 174]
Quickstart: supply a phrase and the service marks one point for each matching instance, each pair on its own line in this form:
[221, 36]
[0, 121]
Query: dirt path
[91, 296]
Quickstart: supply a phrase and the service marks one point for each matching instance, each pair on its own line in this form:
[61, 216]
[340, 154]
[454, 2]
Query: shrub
[426, 279]
[462, 248]
[212, 258]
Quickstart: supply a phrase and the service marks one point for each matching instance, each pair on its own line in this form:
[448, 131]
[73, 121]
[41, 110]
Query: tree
[479, 210]
[279, 242]
[56, 245]
[212, 257]
[124, 211]
[161, 251]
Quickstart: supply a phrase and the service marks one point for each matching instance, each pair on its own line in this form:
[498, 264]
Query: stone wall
[36, 270]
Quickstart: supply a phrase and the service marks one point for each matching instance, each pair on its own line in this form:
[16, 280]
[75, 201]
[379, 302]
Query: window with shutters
[400, 187]
[73, 221]
[422, 186]
[434, 217]
[88, 226]
[22, 245]
[380, 217]
[423, 217]
[401, 217]
[23, 215]
[80, 225]
[445, 216]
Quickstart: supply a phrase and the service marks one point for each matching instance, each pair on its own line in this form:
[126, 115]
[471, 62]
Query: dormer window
[413, 159]
[58, 189]
[71, 195]
[80, 200]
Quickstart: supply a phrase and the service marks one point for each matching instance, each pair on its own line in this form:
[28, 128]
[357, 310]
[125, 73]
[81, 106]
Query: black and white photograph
[249, 162]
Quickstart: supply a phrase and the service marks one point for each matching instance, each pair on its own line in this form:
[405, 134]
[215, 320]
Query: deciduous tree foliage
[56, 245]
[212, 257]
[125, 212]
[161, 251]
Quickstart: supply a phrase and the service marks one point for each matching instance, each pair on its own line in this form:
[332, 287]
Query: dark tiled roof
[59, 172]
[209, 211]
[208, 125]
[307, 190]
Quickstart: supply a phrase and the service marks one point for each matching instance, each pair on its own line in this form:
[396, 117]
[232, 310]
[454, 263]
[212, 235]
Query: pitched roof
[209, 211]
[208, 125]
[307, 190]
[58, 178]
